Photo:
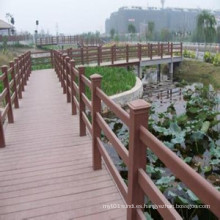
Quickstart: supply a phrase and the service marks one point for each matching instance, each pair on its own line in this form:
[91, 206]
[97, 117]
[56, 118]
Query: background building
[173, 19]
[5, 28]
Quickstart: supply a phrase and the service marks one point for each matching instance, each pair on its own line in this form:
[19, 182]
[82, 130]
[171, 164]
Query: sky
[77, 16]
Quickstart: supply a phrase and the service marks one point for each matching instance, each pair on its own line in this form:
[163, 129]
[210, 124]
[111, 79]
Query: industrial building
[174, 19]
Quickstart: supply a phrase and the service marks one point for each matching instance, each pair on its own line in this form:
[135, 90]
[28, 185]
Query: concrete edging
[123, 98]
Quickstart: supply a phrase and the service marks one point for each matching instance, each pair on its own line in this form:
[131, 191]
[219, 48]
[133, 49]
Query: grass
[115, 80]
[195, 71]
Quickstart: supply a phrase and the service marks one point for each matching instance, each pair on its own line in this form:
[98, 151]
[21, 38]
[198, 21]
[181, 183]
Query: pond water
[161, 100]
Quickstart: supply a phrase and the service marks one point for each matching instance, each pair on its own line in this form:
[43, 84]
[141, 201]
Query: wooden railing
[41, 60]
[73, 82]
[127, 53]
[77, 39]
[16, 38]
[14, 79]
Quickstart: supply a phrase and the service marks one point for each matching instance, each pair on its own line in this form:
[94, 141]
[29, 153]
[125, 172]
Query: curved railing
[140, 184]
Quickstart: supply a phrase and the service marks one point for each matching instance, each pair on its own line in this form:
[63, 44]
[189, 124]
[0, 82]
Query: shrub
[208, 57]
[189, 54]
[216, 60]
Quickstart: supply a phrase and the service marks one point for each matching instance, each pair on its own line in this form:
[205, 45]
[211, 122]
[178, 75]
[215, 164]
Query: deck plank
[46, 168]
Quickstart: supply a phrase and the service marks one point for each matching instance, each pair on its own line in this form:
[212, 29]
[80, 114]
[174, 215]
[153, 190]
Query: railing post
[96, 131]
[139, 110]
[127, 53]
[158, 49]
[73, 92]
[2, 135]
[82, 126]
[181, 49]
[13, 72]
[139, 52]
[112, 54]
[151, 51]
[67, 80]
[161, 51]
[171, 50]
[63, 73]
[168, 47]
[8, 96]
[52, 58]
[82, 56]
[98, 55]
[19, 78]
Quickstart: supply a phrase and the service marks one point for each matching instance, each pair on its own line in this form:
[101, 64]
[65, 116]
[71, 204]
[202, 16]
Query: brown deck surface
[46, 168]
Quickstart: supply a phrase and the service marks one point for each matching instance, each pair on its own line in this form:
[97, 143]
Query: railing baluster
[73, 92]
[139, 111]
[127, 53]
[67, 80]
[96, 108]
[82, 126]
[171, 50]
[13, 72]
[8, 96]
[2, 135]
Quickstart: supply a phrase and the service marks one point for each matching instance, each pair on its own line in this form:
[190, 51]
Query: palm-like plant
[131, 30]
[206, 23]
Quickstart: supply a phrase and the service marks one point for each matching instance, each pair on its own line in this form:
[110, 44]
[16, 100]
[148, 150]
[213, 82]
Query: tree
[165, 35]
[10, 18]
[150, 30]
[218, 35]
[112, 33]
[131, 30]
[206, 27]
[151, 27]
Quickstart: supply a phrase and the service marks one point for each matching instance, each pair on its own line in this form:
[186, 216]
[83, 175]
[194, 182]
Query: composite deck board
[46, 168]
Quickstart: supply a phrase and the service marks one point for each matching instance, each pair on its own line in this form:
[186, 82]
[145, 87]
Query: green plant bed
[115, 79]
[41, 66]
[195, 71]
[193, 136]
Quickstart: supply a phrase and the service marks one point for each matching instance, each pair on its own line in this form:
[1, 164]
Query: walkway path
[46, 168]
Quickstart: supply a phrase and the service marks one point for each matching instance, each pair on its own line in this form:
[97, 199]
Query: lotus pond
[193, 135]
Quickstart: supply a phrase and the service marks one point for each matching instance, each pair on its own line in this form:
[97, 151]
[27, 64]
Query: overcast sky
[77, 16]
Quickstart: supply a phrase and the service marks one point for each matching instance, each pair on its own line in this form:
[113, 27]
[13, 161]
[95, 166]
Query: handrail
[18, 73]
[128, 53]
[122, 114]
[139, 183]
[202, 188]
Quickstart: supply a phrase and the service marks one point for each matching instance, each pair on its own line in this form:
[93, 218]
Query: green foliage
[189, 54]
[208, 57]
[196, 71]
[216, 60]
[193, 136]
[206, 27]
[115, 80]
[112, 33]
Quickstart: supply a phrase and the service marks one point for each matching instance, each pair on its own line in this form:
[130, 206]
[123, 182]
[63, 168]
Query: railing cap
[96, 77]
[138, 105]
[4, 67]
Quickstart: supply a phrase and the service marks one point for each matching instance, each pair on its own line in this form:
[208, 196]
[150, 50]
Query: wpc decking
[46, 168]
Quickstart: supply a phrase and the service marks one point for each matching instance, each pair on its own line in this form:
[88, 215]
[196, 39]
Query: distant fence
[74, 83]
[16, 38]
[202, 47]
[62, 40]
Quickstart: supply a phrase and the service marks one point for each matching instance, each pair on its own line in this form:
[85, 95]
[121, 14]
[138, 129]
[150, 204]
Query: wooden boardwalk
[46, 168]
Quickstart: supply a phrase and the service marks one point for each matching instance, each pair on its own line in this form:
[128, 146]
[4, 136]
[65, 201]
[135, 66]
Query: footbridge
[54, 164]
